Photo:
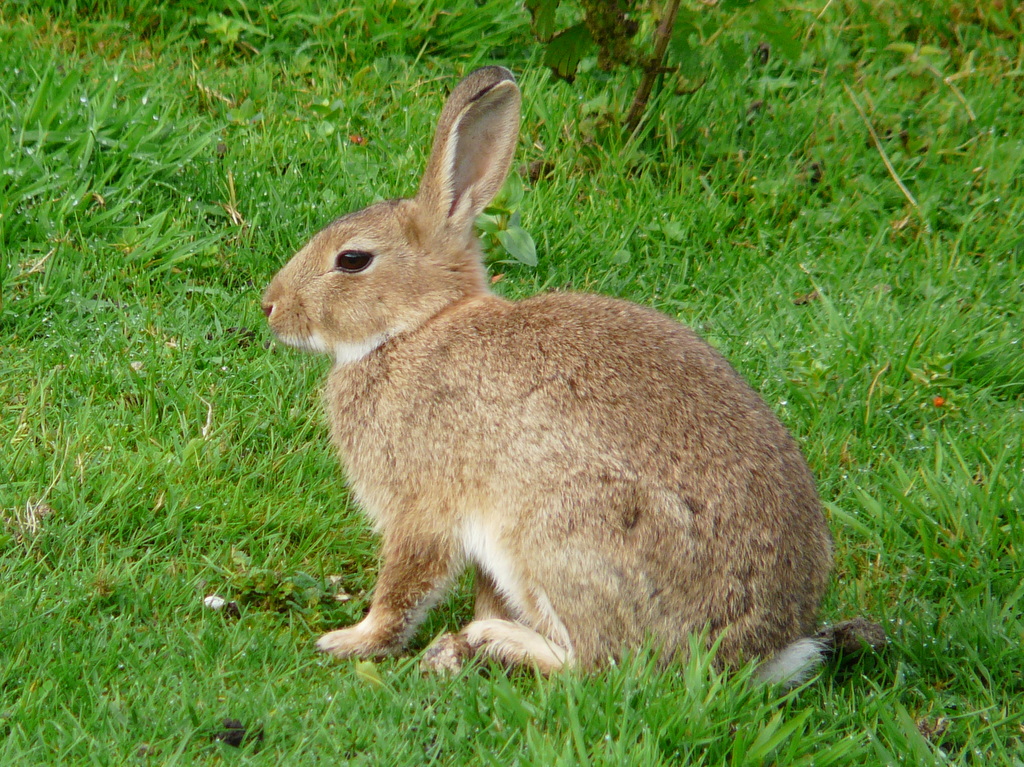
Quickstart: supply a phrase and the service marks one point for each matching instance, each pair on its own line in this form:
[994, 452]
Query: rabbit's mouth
[309, 343]
[344, 352]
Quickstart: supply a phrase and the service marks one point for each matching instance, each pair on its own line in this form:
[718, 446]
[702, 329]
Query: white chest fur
[347, 353]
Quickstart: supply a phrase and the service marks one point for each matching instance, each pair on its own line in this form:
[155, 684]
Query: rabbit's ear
[473, 148]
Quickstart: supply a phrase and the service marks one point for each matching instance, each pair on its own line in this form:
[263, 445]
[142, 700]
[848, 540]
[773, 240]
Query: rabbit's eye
[352, 260]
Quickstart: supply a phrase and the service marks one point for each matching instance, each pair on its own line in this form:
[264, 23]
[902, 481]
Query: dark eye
[353, 261]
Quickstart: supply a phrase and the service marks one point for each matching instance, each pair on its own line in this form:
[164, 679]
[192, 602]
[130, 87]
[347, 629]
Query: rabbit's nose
[268, 309]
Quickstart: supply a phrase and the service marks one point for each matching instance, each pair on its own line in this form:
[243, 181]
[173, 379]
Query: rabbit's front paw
[359, 641]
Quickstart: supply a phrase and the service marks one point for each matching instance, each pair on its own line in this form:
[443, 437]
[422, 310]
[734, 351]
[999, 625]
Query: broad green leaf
[512, 192]
[565, 50]
[487, 222]
[732, 55]
[543, 18]
[779, 34]
[519, 244]
[686, 56]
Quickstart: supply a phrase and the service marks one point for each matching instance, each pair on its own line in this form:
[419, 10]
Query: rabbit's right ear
[473, 147]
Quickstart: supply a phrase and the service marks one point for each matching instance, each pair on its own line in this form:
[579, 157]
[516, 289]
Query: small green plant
[270, 590]
[330, 113]
[274, 591]
[227, 31]
[245, 113]
[502, 224]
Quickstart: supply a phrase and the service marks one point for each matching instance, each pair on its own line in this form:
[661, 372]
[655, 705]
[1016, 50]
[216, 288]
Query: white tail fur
[793, 664]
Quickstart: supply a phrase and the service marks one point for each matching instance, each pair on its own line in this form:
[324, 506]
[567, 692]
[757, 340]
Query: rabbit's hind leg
[488, 601]
[513, 644]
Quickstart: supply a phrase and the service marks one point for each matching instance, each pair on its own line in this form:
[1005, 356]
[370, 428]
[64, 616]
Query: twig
[38, 265]
[661, 39]
[881, 150]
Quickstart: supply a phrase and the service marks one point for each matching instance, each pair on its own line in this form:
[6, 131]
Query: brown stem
[661, 39]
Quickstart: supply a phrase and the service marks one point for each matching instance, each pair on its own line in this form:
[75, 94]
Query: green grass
[159, 163]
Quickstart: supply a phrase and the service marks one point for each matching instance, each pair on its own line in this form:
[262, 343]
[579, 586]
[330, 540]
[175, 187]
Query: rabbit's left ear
[473, 147]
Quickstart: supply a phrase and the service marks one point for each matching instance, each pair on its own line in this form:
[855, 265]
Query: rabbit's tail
[794, 663]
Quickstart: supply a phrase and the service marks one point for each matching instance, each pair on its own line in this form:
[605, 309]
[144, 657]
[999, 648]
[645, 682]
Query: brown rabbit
[608, 474]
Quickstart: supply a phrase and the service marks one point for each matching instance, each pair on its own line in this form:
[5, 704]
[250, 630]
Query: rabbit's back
[618, 462]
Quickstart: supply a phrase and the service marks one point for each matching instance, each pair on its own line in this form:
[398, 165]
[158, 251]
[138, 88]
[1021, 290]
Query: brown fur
[607, 472]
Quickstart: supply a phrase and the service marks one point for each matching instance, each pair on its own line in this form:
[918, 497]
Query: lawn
[846, 225]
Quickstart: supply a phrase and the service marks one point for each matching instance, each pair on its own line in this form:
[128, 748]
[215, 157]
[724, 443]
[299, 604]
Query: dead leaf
[933, 729]
[366, 670]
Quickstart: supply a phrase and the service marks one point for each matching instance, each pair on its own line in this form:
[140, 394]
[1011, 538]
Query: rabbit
[610, 477]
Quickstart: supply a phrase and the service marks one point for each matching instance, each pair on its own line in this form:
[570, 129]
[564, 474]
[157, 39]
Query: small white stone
[214, 602]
